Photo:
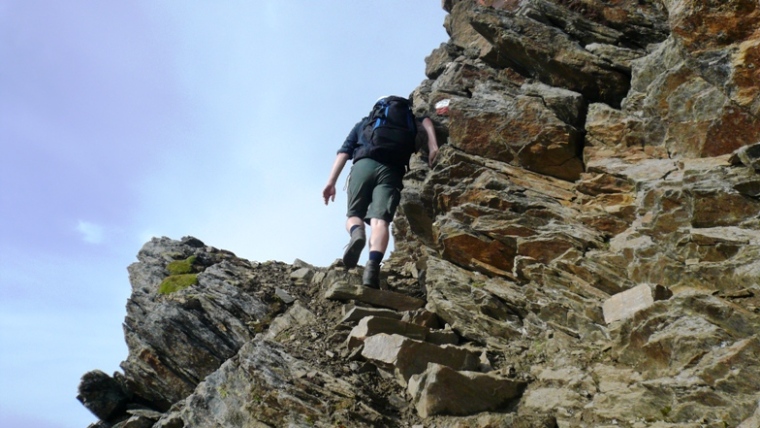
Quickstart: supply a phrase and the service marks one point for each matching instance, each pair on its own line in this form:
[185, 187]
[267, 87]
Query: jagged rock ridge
[587, 243]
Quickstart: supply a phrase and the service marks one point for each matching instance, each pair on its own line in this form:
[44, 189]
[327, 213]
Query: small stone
[302, 276]
[625, 304]
[284, 296]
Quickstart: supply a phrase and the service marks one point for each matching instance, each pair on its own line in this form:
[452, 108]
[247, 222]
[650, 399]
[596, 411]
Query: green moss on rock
[174, 283]
[181, 267]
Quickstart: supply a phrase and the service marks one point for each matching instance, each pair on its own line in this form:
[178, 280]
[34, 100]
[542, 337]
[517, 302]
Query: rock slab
[441, 390]
[627, 303]
[407, 357]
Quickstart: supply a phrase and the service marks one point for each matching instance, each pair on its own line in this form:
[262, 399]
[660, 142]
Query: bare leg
[353, 221]
[356, 244]
[378, 241]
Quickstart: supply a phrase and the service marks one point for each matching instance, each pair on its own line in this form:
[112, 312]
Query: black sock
[376, 256]
[354, 227]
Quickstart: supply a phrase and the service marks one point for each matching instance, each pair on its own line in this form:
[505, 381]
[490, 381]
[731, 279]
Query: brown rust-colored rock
[516, 129]
[471, 250]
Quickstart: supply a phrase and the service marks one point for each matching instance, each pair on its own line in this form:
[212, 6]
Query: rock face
[586, 247]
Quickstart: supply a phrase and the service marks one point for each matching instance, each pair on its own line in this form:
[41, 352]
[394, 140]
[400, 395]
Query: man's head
[384, 97]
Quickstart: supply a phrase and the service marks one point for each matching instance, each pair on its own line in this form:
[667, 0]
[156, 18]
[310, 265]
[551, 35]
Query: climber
[380, 145]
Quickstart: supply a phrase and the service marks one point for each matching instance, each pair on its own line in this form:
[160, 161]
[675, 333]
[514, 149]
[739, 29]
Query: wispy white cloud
[91, 232]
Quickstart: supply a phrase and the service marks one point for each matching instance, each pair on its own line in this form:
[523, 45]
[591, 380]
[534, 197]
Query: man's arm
[329, 191]
[344, 154]
[432, 141]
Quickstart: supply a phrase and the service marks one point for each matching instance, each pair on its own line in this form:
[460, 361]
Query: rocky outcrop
[202, 328]
[313, 357]
[584, 252]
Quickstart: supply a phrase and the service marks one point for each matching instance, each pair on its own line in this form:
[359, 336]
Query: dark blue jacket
[355, 139]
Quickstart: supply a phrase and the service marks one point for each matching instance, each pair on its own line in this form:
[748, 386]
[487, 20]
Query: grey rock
[407, 357]
[302, 276]
[753, 420]
[441, 390]
[537, 54]
[283, 295]
[422, 317]
[296, 315]
[145, 413]
[102, 395]
[259, 387]
[354, 314]
[747, 156]
[387, 299]
[177, 339]
[370, 326]
[136, 422]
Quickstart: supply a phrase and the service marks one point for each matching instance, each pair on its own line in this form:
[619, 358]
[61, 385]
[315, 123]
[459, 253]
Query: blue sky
[120, 121]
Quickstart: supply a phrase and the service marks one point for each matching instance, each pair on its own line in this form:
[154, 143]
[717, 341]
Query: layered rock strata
[589, 234]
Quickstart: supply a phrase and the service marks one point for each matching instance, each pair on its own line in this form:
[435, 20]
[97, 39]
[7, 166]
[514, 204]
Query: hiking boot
[371, 277]
[354, 248]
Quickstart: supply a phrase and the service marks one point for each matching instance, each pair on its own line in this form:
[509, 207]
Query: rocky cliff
[584, 253]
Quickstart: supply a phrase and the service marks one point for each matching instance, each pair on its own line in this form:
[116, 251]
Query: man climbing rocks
[380, 145]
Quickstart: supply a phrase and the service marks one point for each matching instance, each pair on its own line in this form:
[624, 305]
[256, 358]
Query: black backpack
[390, 132]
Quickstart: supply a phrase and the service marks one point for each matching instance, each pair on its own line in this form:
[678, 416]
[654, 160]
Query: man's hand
[329, 193]
[432, 155]
[432, 140]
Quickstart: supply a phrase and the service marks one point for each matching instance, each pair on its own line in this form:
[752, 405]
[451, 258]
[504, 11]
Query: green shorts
[374, 190]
